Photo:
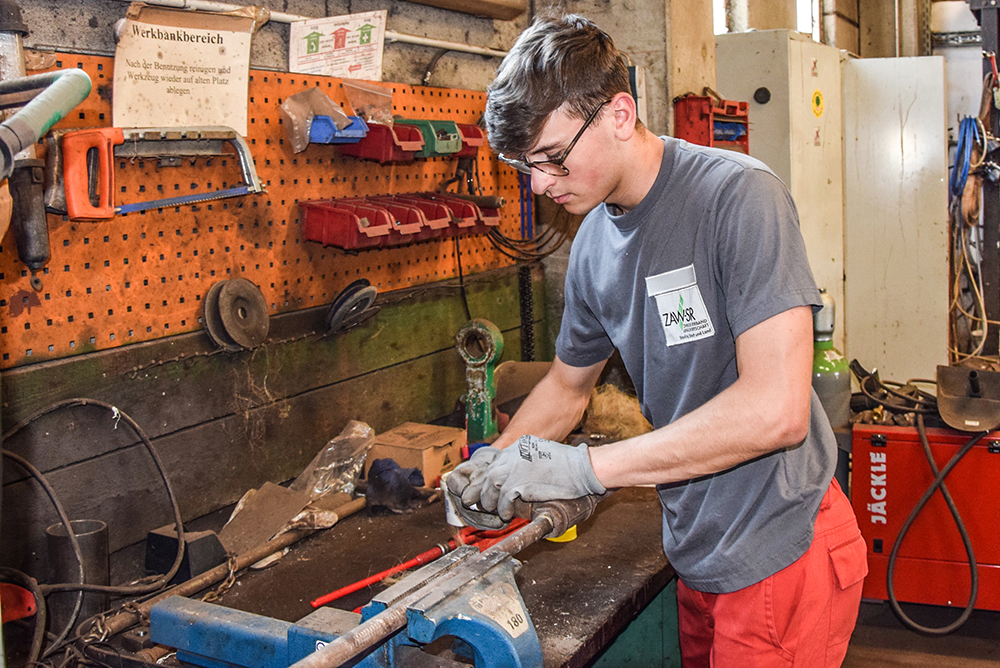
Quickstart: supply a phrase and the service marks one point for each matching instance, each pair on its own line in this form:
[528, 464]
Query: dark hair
[558, 59]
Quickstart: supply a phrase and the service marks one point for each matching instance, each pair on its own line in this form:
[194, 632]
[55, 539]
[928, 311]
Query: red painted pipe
[467, 536]
[419, 560]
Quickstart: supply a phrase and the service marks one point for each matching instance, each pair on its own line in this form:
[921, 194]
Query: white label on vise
[501, 604]
[681, 308]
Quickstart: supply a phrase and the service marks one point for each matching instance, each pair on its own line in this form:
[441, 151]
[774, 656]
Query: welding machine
[890, 475]
[923, 499]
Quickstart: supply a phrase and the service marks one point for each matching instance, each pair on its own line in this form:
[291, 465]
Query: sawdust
[614, 414]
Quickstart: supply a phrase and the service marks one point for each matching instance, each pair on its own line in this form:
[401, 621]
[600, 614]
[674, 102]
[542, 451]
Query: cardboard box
[432, 449]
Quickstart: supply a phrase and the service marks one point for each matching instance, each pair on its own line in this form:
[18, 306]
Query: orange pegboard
[141, 276]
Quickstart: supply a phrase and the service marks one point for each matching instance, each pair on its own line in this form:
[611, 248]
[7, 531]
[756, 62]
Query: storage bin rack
[142, 277]
[709, 121]
[392, 220]
[387, 143]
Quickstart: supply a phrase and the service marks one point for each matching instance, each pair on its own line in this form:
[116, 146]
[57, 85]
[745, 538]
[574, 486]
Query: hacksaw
[169, 144]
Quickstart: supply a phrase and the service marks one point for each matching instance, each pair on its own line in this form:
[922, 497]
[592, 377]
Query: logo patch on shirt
[682, 310]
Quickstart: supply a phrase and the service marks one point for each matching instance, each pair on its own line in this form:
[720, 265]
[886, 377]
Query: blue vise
[483, 613]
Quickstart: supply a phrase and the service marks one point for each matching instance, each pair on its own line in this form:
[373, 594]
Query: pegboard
[142, 276]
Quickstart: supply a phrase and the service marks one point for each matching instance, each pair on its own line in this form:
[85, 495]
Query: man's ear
[625, 113]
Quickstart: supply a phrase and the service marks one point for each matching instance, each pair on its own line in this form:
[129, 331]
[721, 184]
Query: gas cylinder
[832, 381]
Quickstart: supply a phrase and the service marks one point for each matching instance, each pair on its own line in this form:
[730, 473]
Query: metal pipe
[124, 619]
[63, 90]
[737, 15]
[369, 633]
[282, 17]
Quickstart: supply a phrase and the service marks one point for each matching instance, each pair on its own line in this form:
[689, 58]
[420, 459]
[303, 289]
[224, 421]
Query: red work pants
[800, 617]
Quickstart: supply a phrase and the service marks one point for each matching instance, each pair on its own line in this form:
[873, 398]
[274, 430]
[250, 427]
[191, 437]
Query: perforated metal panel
[142, 276]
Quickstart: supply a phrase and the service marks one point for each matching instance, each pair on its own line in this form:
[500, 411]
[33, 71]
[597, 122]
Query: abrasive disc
[243, 310]
[213, 321]
[350, 305]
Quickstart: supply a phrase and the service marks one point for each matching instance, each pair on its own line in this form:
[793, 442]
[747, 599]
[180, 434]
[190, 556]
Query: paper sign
[182, 69]
[348, 47]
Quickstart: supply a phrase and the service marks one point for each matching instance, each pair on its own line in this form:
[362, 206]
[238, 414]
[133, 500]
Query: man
[691, 264]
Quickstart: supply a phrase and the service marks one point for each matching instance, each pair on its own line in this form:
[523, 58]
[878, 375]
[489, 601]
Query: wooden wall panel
[225, 423]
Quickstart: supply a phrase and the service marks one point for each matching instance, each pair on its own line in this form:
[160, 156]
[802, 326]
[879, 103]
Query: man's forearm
[732, 428]
[554, 407]
[767, 408]
[542, 416]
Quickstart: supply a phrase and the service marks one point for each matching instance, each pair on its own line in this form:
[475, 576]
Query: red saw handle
[75, 146]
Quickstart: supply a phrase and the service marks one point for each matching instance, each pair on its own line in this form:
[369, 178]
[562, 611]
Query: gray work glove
[537, 470]
[466, 480]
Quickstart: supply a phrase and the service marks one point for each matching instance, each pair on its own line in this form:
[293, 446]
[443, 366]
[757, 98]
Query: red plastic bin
[438, 215]
[384, 143]
[472, 139]
[343, 225]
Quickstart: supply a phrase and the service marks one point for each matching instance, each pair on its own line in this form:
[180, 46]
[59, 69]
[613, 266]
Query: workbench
[580, 594]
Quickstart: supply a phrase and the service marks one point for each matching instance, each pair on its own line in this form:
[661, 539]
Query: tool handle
[75, 146]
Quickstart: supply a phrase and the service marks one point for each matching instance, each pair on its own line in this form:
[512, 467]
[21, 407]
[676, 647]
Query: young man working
[691, 264]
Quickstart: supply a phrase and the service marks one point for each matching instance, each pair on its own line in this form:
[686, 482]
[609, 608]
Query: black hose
[865, 378]
[939, 477]
[461, 280]
[29, 583]
[119, 590]
[74, 542]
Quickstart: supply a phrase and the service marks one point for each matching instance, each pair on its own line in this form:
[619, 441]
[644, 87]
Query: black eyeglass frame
[524, 165]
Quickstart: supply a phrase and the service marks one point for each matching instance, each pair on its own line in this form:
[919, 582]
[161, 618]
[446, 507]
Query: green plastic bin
[440, 137]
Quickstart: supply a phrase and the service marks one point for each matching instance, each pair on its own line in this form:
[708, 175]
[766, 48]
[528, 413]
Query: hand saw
[169, 143]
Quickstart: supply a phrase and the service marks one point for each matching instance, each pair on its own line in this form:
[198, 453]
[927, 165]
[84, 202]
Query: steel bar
[368, 634]
[127, 618]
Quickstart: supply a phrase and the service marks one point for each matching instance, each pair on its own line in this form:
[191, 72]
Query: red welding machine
[890, 474]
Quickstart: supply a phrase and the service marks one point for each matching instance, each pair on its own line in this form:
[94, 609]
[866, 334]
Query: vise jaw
[466, 595]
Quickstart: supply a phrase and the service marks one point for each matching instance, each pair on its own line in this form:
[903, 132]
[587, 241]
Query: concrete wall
[87, 25]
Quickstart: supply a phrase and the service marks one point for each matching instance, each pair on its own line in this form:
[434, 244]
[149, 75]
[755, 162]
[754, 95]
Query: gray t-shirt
[712, 250]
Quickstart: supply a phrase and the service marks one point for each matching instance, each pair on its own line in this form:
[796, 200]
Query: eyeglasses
[553, 167]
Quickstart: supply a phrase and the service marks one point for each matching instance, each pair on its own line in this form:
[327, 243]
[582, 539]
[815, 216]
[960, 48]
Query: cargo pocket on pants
[849, 560]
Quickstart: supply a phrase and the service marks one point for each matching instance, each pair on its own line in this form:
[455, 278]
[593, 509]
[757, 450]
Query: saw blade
[184, 199]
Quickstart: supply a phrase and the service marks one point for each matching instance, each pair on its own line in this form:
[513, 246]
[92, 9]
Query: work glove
[466, 480]
[537, 470]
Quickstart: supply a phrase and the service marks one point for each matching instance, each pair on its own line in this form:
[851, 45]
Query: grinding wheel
[213, 320]
[350, 306]
[243, 310]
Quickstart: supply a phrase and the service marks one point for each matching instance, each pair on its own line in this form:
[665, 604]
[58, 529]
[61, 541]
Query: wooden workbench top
[580, 594]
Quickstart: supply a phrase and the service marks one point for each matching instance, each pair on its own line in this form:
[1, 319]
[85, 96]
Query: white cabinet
[796, 132]
[896, 214]
[862, 146]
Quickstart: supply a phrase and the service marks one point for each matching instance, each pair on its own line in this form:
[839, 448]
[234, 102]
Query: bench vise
[467, 596]
[485, 615]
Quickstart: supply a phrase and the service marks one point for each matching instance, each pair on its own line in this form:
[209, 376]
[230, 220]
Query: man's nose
[540, 181]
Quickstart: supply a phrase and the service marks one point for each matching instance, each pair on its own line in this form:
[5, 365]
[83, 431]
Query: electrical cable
[968, 135]
[939, 477]
[461, 281]
[115, 590]
[73, 541]
[880, 384]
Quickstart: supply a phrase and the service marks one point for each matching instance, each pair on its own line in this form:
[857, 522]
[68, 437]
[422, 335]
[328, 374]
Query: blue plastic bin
[323, 131]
